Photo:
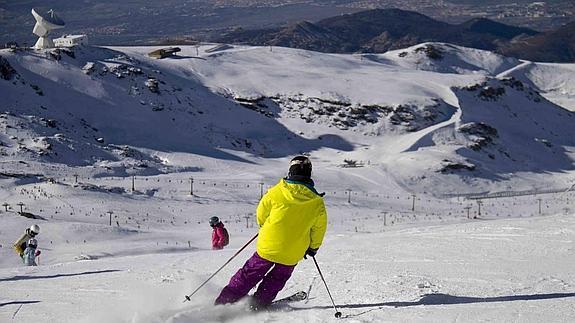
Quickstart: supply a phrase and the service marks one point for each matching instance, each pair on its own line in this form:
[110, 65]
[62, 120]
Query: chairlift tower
[45, 22]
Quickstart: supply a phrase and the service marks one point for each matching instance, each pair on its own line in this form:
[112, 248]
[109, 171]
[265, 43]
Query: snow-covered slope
[392, 105]
[122, 159]
[397, 265]
[118, 109]
[447, 58]
[109, 103]
[556, 81]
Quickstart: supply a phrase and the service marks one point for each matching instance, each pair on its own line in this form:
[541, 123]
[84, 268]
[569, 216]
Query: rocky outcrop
[7, 72]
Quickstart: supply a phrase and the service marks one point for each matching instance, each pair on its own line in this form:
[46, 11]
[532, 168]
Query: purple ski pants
[256, 270]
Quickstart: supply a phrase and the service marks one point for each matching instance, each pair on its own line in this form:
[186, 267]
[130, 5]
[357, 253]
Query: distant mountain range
[553, 46]
[381, 30]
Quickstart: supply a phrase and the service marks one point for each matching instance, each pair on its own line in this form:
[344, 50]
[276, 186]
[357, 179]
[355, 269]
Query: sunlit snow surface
[401, 245]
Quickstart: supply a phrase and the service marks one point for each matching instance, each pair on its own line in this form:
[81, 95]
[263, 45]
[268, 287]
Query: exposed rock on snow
[89, 68]
[450, 166]
[152, 85]
[480, 134]
[7, 72]
[431, 51]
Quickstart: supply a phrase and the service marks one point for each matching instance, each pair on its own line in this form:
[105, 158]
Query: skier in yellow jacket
[293, 221]
[20, 245]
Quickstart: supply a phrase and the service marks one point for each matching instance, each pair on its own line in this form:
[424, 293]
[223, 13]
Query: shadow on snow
[18, 303]
[445, 299]
[58, 275]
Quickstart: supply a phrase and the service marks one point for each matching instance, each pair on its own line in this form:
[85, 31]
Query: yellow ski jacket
[20, 244]
[292, 218]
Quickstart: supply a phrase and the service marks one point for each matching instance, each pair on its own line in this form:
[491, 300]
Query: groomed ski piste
[448, 198]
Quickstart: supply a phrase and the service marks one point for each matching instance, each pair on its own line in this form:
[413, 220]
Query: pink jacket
[218, 237]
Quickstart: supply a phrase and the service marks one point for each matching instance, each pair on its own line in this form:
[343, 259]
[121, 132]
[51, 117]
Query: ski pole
[337, 313]
[188, 297]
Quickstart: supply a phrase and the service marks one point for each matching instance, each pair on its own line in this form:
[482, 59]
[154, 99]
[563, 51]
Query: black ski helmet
[214, 220]
[300, 166]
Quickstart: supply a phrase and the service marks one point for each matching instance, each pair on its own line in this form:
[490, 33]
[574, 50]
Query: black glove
[310, 252]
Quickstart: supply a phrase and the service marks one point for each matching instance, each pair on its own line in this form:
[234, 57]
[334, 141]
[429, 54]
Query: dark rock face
[481, 134]
[449, 167]
[431, 52]
[7, 72]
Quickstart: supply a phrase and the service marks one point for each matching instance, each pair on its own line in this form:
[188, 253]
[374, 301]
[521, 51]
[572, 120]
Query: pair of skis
[282, 304]
[297, 297]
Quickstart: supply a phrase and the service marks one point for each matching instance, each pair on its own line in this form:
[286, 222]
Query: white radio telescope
[45, 22]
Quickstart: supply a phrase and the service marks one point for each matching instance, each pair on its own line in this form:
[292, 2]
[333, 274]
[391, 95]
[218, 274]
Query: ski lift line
[518, 193]
[255, 185]
[375, 194]
[401, 218]
[449, 207]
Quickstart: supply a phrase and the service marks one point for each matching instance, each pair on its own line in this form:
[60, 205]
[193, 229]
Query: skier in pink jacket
[220, 236]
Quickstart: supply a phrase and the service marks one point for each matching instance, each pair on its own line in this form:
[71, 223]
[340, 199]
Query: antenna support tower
[45, 22]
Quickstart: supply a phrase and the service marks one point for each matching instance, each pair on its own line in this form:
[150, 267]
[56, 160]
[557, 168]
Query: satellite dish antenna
[45, 22]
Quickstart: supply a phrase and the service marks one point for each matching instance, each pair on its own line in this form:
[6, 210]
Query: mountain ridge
[381, 30]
